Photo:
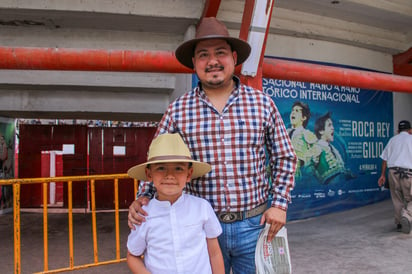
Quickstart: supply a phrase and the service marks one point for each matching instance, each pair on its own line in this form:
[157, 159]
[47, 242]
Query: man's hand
[136, 212]
[381, 180]
[276, 217]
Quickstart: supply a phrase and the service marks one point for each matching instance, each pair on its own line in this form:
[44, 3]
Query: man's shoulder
[255, 93]
[182, 99]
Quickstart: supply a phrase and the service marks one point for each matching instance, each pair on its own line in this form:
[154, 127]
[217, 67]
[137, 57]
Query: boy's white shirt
[173, 238]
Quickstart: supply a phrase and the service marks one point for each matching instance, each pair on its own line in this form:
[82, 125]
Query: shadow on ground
[362, 240]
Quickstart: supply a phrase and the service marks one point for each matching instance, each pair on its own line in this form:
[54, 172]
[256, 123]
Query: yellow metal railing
[93, 179]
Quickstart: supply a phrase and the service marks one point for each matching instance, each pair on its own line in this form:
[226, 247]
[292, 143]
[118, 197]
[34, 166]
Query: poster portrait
[338, 134]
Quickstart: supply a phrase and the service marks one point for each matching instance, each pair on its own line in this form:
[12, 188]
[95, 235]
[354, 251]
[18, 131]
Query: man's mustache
[208, 69]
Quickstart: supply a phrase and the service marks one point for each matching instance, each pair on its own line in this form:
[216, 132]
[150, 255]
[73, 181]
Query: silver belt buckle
[229, 217]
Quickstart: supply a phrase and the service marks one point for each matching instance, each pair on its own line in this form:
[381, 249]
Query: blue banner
[338, 134]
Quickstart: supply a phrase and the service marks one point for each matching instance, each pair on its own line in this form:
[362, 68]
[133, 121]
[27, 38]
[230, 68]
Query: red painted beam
[87, 59]
[299, 71]
[165, 62]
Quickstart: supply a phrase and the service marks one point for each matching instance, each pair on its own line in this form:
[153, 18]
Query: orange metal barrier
[93, 179]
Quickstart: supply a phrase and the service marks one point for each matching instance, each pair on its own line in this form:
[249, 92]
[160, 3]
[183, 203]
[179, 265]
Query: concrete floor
[362, 240]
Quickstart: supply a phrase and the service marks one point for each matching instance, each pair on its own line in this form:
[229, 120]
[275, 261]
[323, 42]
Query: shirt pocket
[193, 235]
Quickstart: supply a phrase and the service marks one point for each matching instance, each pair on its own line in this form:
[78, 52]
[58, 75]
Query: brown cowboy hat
[211, 28]
[167, 148]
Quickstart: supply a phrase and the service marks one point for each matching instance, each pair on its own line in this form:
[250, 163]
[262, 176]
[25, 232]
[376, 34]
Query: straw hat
[167, 148]
[211, 28]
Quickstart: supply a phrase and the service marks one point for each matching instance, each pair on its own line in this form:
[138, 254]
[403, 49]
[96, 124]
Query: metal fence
[69, 180]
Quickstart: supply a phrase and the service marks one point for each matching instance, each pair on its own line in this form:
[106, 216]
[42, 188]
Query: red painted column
[402, 63]
[247, 20]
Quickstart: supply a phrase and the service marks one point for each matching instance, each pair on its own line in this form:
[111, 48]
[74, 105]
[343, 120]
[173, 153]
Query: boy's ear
[189, 174]
[148, 174]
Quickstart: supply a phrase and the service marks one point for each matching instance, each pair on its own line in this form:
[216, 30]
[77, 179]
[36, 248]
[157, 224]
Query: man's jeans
[238, 243]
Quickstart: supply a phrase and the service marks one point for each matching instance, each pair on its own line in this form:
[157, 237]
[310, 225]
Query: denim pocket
[255, 221]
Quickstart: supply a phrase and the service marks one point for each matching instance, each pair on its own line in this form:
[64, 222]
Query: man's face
[328, 132]
[296, 117]
[214, 63]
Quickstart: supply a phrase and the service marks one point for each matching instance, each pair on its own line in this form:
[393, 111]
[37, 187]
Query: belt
[404, 173]
[401, 169]
[230, 217]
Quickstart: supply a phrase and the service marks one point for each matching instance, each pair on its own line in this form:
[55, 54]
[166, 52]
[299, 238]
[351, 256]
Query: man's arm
[136, 213]
[215, 256]
[382, 179]
[282, 165]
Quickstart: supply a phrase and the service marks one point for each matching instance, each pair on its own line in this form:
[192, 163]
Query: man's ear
[234, 54]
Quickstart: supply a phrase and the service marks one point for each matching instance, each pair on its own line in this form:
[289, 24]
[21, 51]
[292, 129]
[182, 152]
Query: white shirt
[173, 238]
[398, 151]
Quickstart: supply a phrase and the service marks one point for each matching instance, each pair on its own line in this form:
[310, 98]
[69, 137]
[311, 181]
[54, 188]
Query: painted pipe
[306, 72]
[90, 60]
[165, 62]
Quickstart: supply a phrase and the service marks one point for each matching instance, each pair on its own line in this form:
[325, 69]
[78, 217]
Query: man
[237, 130]
[302, 138]
[397, 156]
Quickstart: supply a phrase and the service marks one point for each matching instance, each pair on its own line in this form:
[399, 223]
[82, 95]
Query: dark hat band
[169, 157]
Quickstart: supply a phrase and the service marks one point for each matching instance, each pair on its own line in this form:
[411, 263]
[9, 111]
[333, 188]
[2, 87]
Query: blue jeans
[238, 243]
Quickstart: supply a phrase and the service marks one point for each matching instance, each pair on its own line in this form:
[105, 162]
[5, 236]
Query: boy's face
[169, 179]
[328, 132]
[296, 117]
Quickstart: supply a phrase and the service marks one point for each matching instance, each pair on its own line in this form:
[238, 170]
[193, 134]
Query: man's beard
[214, 82]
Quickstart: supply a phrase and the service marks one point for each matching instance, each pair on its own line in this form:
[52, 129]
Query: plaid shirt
[234, 142]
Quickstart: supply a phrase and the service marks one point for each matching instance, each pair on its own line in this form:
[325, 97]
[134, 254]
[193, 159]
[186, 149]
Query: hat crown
[210, 27]
[404, 125]
[168, 147]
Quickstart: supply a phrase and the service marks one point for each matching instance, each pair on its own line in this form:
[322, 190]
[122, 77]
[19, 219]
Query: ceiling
[384, 25]
[392, 15]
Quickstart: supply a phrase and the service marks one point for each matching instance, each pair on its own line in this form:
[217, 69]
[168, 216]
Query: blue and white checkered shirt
[234, 142]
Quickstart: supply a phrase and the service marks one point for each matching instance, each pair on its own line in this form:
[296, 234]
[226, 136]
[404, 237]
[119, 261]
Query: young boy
[180, 232]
